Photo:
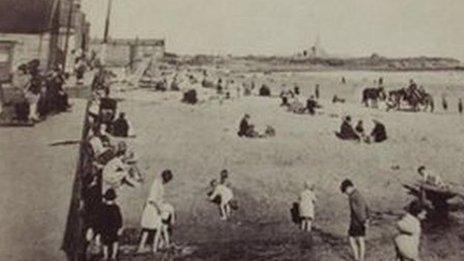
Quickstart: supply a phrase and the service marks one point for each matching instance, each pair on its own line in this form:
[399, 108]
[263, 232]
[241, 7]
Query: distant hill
[281, 63]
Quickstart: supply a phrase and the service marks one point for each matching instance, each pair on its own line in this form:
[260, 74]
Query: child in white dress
[307, 200]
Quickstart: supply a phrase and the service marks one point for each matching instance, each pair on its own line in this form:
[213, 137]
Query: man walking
[358, 221]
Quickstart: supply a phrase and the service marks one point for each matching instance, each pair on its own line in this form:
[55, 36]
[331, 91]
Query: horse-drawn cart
[440, 200]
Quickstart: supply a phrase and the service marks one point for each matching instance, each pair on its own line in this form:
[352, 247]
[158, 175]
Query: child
[92, 200]
[224, 178]
[306, 206]
[213, 183]
[117, 173]
[111, 225]
[157, 225]
[407, 242]
[164, 227]
[224, 195]
[430, 178]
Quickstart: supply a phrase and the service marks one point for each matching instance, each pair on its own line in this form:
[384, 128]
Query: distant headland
[375, 62]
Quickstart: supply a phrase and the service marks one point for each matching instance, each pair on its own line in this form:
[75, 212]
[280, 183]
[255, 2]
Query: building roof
[26, 16]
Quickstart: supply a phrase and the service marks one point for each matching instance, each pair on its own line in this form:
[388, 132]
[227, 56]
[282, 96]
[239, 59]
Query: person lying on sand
[346, 130]
[409, 227]
[337, 99]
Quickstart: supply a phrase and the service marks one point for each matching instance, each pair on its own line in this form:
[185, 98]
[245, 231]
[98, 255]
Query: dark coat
[379, 132]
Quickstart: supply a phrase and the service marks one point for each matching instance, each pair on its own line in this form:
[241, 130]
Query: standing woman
[306, 206]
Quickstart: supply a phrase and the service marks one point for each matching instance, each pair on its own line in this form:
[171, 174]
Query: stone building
[128, 52]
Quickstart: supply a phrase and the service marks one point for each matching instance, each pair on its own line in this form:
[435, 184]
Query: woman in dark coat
[379, 133]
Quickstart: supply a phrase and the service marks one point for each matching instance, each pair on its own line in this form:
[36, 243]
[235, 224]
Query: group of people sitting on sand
[291, 100]
[37, 93]
[347, 132]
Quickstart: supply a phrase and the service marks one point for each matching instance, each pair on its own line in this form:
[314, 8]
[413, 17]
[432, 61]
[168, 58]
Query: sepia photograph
[217, 130]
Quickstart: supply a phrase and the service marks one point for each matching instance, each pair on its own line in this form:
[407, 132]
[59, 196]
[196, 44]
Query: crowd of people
[38, 93]
[113, 165]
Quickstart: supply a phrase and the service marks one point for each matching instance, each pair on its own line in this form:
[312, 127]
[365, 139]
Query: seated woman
[379, 132]
[118, 172]
[311, 105]
[346, 130]
[244, 128]
[121, 126]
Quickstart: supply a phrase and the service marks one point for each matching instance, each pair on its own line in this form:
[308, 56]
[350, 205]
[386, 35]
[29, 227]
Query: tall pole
[68, 30]
[106, 32]
[107, 22]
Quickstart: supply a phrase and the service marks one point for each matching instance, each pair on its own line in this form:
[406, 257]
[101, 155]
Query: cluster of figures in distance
[347, 132]
[36, 94]
[412, 98]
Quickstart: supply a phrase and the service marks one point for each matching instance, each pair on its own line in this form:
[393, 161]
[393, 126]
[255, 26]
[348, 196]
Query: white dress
[151, 218]
[114, 172]
[407, 242]
[306, 204]
[224, 193]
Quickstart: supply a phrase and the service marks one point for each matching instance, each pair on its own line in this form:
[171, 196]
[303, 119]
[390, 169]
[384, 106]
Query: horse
[395, 97]
[415, 100]
[427, 102]
[373, 94]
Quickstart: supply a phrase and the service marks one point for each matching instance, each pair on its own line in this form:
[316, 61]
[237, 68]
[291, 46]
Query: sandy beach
[197, 141]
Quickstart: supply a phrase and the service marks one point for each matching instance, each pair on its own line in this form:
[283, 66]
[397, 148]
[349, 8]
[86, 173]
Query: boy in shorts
[358, 221]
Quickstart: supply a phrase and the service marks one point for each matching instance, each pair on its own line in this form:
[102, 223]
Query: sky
[392, 28]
